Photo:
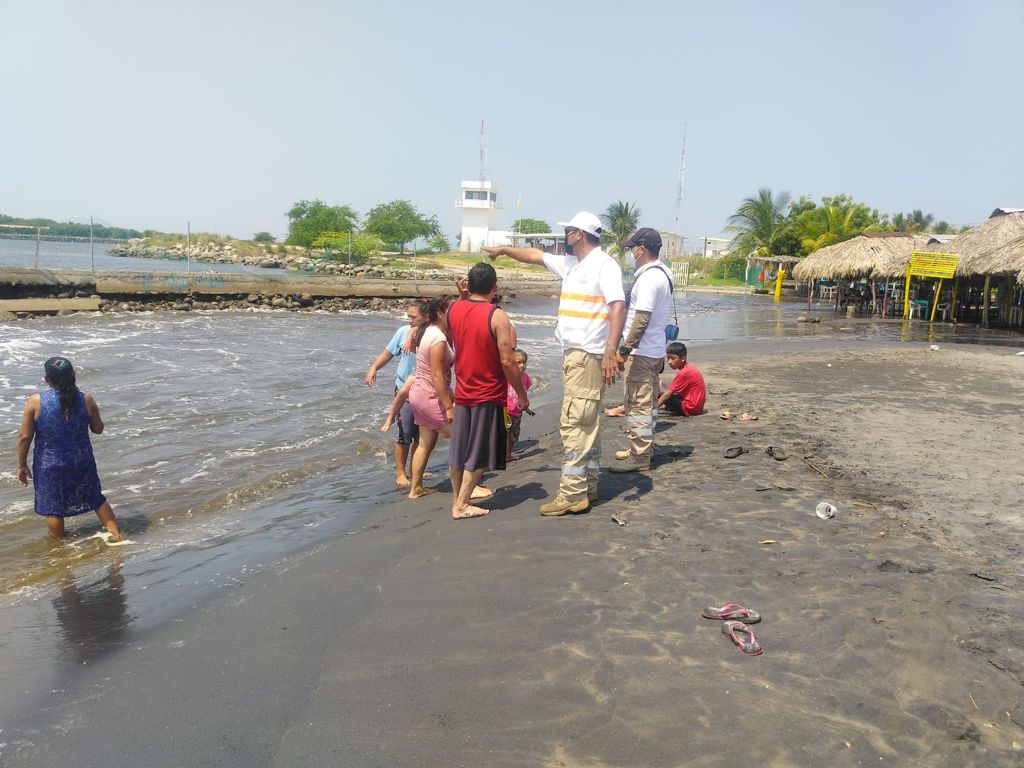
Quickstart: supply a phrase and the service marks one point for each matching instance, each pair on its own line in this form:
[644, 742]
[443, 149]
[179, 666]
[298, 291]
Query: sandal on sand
[726, 415]
[776, 453]
[731, 612]
[747, 417]
[743, 636]
[732, 453]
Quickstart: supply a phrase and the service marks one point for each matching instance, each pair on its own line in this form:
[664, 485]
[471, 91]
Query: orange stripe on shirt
[583, 297]
[601, 315]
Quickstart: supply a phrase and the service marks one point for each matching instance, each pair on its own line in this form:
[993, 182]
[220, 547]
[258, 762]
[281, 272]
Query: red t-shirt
[689, 385]
[479, 377]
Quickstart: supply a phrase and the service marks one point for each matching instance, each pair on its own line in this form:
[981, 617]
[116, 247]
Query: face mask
[568, 248]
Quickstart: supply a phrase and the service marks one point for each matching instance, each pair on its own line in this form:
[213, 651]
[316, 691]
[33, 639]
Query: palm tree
[833, 224]
[919, 221]
[759, 223]
[620, 220]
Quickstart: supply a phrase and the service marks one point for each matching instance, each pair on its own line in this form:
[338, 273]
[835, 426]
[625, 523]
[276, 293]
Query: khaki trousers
[580, 424]
[641, 415]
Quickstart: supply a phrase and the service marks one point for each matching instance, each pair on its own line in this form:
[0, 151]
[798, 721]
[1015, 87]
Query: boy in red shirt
[686, 394]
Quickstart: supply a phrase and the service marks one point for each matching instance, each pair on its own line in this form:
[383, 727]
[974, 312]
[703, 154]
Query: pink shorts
[426, 408]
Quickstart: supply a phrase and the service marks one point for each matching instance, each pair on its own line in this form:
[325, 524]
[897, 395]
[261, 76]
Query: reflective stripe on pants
[641, 415]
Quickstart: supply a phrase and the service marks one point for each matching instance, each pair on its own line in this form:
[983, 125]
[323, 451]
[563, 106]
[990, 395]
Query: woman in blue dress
[63, 466]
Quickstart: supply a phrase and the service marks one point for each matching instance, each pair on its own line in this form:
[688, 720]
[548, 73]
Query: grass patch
[717, 282]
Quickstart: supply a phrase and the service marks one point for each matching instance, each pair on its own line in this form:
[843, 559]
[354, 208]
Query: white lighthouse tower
[478, 200]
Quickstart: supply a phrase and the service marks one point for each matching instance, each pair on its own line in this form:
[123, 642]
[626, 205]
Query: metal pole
[37, 248]
[92, 257]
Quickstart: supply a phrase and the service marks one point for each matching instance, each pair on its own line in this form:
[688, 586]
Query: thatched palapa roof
[876, 254]
[991, 248]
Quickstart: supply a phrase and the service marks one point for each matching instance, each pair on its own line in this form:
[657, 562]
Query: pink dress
[426, 406]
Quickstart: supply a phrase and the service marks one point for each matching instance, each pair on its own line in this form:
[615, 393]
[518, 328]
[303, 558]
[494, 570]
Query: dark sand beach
[892, 633]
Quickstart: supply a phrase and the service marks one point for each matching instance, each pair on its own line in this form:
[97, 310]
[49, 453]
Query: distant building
[479, 204]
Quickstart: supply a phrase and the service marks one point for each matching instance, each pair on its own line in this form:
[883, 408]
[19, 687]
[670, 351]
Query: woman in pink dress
[433, 404]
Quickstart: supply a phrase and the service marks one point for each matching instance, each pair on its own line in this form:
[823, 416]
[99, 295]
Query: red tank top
[479, 377]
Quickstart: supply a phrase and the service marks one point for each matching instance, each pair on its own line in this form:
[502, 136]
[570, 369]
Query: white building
[479, 204]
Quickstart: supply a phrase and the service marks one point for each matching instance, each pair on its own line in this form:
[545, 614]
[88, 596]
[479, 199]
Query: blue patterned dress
[63, 466]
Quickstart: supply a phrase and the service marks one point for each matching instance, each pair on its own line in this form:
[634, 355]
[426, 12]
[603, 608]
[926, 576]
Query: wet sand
[892, 633]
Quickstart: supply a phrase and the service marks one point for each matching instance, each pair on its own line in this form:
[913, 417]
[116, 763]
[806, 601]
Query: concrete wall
[213, 283]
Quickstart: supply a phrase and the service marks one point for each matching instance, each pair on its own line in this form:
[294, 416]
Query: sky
[222, 113]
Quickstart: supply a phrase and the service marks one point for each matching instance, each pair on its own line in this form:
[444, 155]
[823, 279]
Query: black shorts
[408, 432]
[514, 427]
[674, 404]
[478, 438]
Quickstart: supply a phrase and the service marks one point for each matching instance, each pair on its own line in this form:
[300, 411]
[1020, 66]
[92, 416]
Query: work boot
[631, 464]
[623, 454]
[562, 506]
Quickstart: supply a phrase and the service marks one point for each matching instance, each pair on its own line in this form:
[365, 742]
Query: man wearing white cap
[591, 313]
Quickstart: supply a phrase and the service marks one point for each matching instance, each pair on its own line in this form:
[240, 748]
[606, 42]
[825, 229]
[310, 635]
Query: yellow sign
[924, 264]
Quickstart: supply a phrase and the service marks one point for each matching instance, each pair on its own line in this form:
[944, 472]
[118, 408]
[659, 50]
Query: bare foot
[403, 481]
[480, 493]
[418, 493]
[468, 511]
[512, 457]
[618, 410]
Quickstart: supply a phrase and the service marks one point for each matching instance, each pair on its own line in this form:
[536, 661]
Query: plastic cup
[825, 511]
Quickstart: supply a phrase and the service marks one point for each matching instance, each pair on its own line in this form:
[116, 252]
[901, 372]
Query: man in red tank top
[484, 367]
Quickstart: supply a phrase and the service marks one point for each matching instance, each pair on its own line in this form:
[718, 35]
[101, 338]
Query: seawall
[18, 283]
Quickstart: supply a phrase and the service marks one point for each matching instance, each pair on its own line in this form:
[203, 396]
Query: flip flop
[747, 417]
[731, 612]
[743, 636]
[732, 453]
[726, 415]
[776, 453]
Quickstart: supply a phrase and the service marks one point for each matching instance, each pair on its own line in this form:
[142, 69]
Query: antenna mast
[679, 184]
[483, 154]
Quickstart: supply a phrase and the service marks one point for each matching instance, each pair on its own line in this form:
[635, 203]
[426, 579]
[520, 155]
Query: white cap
[585, 222]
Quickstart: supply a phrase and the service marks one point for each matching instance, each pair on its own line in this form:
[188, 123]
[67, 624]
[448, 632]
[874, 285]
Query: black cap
[645, 236]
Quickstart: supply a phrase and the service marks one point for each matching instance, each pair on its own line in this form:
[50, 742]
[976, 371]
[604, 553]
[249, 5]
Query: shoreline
[517, 639]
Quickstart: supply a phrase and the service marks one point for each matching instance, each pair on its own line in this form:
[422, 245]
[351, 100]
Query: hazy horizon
[225, 114]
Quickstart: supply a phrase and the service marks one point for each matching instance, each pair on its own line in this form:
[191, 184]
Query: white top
[651, 293]
[588, 287]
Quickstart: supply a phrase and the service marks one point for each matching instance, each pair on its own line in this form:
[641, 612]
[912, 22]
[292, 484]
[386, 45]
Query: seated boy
[686, 394]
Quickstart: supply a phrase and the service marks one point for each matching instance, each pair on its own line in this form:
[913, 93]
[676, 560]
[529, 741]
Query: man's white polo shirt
[652, 292]
[588, 287]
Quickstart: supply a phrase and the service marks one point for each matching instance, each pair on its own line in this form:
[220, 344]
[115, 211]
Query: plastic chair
[943, 309]
[920, 306]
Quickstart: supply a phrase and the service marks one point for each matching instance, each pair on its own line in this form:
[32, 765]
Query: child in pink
[515, 413]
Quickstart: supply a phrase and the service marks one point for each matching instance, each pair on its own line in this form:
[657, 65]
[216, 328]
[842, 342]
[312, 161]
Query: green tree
[439, 243]
[310, 218]
[399, 222]
[760, 224]
[942, 228]
[530, 226]
[918, 221]
[348, 247]
[839, 218]
[263, 237]
[620, 220]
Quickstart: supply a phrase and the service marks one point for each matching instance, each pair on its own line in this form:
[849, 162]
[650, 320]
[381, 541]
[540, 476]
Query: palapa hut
[872, 255]
[991, 250]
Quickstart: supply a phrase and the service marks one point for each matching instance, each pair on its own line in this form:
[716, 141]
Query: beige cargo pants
[641, 414]
[580, 424]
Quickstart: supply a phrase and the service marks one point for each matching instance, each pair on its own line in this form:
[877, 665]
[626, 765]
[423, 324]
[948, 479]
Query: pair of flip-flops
[775, 452]
[736, 627]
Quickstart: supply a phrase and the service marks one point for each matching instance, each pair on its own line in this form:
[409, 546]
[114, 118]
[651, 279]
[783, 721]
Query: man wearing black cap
[643, 352]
